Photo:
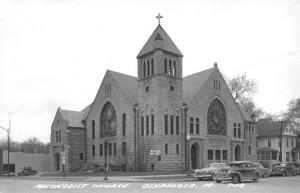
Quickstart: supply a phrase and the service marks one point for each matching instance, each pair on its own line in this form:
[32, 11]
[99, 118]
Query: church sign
[154, 152]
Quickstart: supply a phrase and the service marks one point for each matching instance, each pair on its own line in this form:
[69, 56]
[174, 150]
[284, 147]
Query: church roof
[73, 118]
[268, 128]
[87, 108]
[246, 115]
[193, 83]
[159, 40]
[128, 84]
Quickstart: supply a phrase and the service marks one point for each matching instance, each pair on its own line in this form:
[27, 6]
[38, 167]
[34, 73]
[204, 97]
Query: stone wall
[121, 105]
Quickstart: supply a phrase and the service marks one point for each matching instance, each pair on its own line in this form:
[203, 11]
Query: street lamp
[8, 131]
[105, 160]
[188, 138]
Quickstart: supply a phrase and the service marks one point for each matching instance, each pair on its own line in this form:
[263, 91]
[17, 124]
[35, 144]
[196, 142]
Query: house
[275, 142]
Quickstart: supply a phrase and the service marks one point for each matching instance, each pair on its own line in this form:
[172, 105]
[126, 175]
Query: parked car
[26, 171]
[284, 169]
[237, 172]
[92, 168]
[263, 172]
[210, 171]
[297, 165]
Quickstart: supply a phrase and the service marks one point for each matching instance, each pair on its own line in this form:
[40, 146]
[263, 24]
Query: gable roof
[73, 118]
[128, 84]
[159, 40]
[86, 111]
[246, 115]
[87, 108]
[267, 127]
[193, 83]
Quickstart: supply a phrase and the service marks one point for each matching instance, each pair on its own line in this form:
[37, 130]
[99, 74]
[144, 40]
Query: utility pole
[280, 153]
[8, 131]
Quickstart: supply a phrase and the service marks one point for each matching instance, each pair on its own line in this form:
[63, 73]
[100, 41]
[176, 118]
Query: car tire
[213, 177]
[218, 181]
[265, 175]
[256, 177]
[283, 174]
[200, 178]
[235, 179]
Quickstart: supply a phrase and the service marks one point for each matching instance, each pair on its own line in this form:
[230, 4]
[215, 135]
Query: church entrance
[237, 153]
[195, 156]
[56, 162]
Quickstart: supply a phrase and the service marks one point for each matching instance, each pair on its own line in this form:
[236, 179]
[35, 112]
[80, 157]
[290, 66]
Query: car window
[235, 164]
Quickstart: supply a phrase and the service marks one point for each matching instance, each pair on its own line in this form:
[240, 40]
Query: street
[144, 184]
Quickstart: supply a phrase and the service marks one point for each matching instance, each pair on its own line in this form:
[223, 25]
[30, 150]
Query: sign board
[155, 152]
[63, 153]
[63, 159]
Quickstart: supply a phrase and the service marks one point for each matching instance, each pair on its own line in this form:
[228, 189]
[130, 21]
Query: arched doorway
[57, 158]
[195, 156]
[237, 153]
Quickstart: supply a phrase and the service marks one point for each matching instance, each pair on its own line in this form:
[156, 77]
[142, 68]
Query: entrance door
[237, 153]
[195, 156]
[57, 162]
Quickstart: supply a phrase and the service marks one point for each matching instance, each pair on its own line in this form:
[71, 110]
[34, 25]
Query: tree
[242, 87]
[293, 112]
[34, 145]
[242, 90]
[31, 145]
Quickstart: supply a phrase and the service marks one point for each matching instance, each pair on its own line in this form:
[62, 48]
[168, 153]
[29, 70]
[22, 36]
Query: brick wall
[77, 143]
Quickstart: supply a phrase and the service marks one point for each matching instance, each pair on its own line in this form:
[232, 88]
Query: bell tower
[160, 98]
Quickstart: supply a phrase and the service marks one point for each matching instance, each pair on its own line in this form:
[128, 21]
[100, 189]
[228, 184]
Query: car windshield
[217, 165]
[258, 165]
[235, 164]
[282, 164]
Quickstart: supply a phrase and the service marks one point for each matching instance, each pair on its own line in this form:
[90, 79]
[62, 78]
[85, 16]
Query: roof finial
[216, 65]
[159, 17]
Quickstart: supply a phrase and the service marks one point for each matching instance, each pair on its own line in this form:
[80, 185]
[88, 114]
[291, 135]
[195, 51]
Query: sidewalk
[140, 178]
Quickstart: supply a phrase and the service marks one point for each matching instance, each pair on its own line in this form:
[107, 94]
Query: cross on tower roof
[159, 17]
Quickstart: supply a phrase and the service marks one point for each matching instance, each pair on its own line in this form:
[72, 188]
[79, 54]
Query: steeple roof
[159, 40]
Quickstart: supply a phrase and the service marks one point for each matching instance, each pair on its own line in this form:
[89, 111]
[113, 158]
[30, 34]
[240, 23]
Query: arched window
[148, 68]
[93, 129]
[152, 122]
[124, 124]
[108, 121]
[249, 150]
[174, 68]
[170, 67]
[152, 66]
[216, 118]
[144, 70]
[166, 66]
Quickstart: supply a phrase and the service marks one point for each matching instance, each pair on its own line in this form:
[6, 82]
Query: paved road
[144, 184]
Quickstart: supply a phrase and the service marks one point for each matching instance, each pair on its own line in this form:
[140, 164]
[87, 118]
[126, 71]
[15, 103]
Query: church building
[157, 121]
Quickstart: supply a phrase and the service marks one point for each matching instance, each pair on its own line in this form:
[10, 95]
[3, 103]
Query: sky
[55, 53]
